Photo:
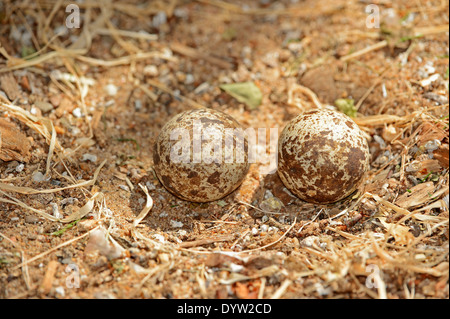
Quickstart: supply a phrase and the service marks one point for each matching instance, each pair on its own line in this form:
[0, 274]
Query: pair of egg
[322, 156]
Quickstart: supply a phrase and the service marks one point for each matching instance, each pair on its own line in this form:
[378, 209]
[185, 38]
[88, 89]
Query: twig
[373, 47]
[281, 290]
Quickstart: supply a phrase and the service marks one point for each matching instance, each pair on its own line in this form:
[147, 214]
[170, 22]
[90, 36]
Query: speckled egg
[201, 155]
[322, 156]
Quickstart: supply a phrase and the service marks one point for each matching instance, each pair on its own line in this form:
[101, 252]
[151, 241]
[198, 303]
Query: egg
[322, 156]
[201, 155]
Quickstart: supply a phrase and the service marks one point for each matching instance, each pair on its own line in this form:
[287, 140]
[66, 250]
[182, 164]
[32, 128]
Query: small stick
[280, 291]
[46, 285]
[356, 54]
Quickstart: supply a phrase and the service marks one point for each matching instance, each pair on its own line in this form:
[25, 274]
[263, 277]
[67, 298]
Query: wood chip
[9, 84]
[14, 145]
[417, 195]
[441, 155]
[47, 282]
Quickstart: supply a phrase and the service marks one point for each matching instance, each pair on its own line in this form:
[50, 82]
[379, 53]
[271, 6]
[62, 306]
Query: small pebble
[163, 214]
[111, 89]
[150, 186]
[181, 13]
[309, 241]
[124, 187]
[189, 79]
[43, 106]
[69, 200]
[19, 168]
[235, 267]
[159, 238]
[432, 145]
[38, 177]
[89, 157]
[138, 105]
[31, 219]
[60, 291]
[176, 224]
[77, 112]
[159, 19]
[151, 70]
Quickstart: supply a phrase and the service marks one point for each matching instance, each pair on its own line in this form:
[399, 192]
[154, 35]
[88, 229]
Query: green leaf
[245, 92]
[346, 106]
[222, 203]
[65, 228]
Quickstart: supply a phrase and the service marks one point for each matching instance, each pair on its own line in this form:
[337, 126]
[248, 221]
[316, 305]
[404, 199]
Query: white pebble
[60, 291]
[150, 186]
[176, 224]
[151, 70]
[309, 241]
[163, 214]
[38, 177]
[159, 238]
[159, 18]
[254, 231]
[111, 89]
[138, 105]
[432, 145]
[19, 168]
[89, 157]
[235, 267]
[124, 187]
[264, 228]
[77, 112]
[182, 232]
[189, 79]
